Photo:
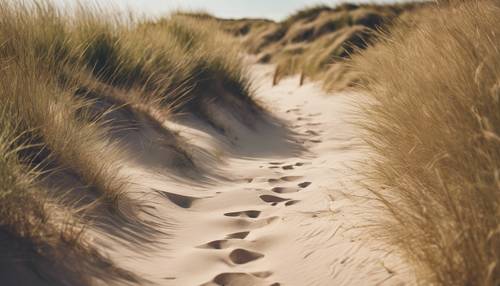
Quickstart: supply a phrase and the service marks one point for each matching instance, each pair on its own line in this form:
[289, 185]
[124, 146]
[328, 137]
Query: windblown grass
[38, 91]
[35, 229]
[58, 158]
[435, 128]
[317, 41]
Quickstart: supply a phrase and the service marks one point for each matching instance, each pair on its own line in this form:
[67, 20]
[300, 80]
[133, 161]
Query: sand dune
[280, 207]
[138, 151]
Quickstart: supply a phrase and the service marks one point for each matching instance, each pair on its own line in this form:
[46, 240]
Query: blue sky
[274, 9]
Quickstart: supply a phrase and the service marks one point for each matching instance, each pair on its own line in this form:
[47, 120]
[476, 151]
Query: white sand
[267, 213]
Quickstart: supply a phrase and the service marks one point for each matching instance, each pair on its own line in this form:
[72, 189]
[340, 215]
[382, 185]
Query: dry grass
[37, 89]
[36, 229]
[57, 156]
[435, 128]
[316, 41]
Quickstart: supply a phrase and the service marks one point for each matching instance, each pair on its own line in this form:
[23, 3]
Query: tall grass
[42, 103]
[36, 227]
[56, 152]
[435, 129]
[317, 41]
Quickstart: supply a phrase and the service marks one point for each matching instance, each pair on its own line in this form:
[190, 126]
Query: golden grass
[45, 109]
[316, 41]
[49, 132]
[36, 229]
[435, 129]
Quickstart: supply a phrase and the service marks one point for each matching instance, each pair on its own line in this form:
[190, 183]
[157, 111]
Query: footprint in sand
[273, 181]
[284, 179]
[263, 274]
[179, 200]
[272, 199]
[216, 244]
[291, 203]
[284, 190]
[287, 167]
[291, 178]
[276, 163]
[237, 279]
[250, 214]
[243, 256]
[304, 185]
[238, 235]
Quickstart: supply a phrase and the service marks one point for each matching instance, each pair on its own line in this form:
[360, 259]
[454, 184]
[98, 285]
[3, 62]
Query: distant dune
[316, 42]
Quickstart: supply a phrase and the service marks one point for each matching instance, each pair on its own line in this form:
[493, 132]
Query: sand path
[287, 217]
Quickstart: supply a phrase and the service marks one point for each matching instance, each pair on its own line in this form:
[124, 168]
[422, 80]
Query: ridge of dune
[279, 208]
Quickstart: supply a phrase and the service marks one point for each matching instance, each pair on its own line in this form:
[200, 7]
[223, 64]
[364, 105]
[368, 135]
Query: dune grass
[435, 130]
[36, 227]
[317, 41]
[38, 89]
[57, 158]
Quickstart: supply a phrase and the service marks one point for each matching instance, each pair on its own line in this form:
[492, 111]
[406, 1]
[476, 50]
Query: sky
[272, 9]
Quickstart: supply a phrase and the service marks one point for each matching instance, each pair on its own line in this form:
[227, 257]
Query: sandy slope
[274, 209]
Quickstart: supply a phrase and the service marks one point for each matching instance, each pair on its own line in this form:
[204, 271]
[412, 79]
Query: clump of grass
[168, 60]
[57, 155]
[35, 57]
[315, 60]
[307, 14]
[316, 40]
[34, 231]
[435, 130]
[172, 63]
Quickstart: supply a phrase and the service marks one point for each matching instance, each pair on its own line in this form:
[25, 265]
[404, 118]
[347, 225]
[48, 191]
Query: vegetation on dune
[59, 164]
[316, 42]
[435, 127]
[434, 122]
[34, 231]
